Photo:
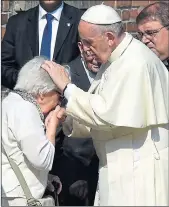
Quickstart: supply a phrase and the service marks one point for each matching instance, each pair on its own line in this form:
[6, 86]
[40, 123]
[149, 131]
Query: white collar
[56, 13]
[121, 47]
[91, 76]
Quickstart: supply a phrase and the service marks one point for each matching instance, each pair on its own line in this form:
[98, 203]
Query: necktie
[47, 36]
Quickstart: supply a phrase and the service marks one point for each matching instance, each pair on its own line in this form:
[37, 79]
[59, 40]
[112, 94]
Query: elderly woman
[25, 137]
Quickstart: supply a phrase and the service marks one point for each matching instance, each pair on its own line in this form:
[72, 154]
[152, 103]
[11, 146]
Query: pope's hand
[59, 76]
[55, 116]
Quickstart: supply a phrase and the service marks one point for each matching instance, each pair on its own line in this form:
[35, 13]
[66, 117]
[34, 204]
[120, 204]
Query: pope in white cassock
[125, 111]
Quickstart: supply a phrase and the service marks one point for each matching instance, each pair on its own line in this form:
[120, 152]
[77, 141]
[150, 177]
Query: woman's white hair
[33, 79]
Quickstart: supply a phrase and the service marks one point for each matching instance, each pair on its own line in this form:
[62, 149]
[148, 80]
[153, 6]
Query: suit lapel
[32, 31]
[81, 74]
[65, 24]
[83, 77]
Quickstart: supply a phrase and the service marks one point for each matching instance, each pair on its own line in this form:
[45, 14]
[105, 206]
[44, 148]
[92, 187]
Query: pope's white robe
[126, 113]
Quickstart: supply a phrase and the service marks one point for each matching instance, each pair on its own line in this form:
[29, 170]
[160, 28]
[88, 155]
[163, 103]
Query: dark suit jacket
[78, 74]
[82, 149]
[21, 41]
[76, 154]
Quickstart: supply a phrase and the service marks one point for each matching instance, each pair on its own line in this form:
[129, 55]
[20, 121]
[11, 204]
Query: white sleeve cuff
[69, 90]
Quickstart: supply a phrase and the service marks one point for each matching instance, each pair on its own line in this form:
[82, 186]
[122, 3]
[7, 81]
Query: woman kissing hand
[52, 121]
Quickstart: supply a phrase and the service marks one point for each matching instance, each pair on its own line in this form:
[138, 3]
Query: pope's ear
[111, 38]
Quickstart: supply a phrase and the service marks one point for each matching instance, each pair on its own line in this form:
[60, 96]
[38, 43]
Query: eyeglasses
[150, 33]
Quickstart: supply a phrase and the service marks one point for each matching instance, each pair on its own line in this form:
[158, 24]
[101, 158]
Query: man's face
[89, 60]
[94, 42]
[49, 5]
[156, 37]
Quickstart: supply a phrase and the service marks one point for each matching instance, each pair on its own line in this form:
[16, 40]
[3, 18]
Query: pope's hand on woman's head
[59, 76]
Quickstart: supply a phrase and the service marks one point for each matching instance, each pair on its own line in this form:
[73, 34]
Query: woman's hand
[52, 121]
[54, 183]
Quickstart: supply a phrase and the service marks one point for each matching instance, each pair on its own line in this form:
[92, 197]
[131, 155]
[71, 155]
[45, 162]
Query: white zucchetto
[101, 14]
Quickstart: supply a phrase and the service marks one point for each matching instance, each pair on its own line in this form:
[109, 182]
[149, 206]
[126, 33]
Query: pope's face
[156, 37]
[94, 42]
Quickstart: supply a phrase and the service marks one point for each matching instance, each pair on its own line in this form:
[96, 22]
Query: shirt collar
[90, 75]
[56, 13]
[121, 47]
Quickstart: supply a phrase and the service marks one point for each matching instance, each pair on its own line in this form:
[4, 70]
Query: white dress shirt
[90, 75]
[55, 24]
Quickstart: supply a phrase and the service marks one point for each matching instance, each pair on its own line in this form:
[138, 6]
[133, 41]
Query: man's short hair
[156, 11]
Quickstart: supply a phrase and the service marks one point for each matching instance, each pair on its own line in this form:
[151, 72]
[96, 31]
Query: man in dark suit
[83, 72]
[79, 163]
[84, 68]
[25, 33]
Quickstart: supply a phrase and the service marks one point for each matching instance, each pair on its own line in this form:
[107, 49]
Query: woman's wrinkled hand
[54, 184]
[56, 116]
